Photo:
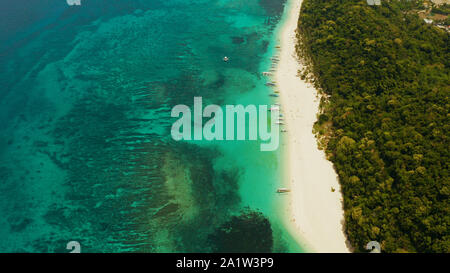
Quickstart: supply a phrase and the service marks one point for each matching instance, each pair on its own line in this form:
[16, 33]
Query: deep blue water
[85, 146]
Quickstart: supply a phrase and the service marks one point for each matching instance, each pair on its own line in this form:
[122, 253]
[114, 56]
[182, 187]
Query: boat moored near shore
[283, 190]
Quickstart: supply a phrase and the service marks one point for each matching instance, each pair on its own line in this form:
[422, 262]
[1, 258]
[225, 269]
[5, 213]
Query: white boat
[283, 190]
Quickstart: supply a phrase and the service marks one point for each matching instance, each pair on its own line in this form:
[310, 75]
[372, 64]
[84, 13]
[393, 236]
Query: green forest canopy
[386, 121]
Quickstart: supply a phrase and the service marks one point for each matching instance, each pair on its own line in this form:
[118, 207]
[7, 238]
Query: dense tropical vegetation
[384, 75]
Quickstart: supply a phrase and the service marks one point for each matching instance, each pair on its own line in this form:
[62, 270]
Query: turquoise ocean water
[85, 146]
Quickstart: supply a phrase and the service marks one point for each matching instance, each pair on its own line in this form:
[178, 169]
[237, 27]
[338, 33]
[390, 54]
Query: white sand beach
[315, 212]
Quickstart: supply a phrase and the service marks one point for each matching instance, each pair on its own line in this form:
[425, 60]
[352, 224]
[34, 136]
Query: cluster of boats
[276, 106]
[280, 120]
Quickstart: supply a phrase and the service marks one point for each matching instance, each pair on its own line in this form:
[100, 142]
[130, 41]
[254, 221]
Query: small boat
[283, 190]
[270, 84]
[226, 59]
[274, 95]
[279, 123]
[283, 130]
[274, 109]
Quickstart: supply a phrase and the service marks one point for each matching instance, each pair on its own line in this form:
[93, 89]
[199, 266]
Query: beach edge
[315, 214]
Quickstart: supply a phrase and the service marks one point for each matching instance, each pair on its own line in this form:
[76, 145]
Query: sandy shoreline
[315, 212]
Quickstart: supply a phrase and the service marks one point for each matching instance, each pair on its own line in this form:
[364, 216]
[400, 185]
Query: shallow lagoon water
[85, 147]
